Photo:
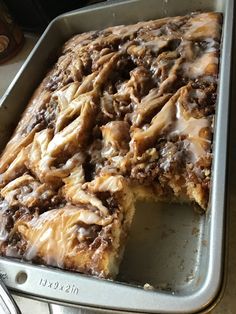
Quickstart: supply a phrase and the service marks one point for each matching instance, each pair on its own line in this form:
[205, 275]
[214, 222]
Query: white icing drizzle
[78, 196]
[83, 233]
[203, 26]
[65, 95]
[26, 191]
[146, 137]
[112, 184]
[191, 127]
[4, 206]
[205, 65]
[155, 45]
[52, 235]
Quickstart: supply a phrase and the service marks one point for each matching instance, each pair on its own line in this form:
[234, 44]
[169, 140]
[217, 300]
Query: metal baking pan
[171, 247]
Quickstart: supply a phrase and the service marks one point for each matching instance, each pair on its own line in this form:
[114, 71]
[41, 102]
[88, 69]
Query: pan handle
[7, 303]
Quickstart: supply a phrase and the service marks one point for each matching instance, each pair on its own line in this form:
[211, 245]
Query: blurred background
[41, 11]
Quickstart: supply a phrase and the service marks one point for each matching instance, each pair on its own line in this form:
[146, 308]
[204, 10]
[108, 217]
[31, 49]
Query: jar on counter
[11, 37]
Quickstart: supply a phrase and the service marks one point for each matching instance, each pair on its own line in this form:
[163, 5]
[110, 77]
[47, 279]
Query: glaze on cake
[125, 114]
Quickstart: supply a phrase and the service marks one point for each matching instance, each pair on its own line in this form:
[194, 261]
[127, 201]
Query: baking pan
[171, 247]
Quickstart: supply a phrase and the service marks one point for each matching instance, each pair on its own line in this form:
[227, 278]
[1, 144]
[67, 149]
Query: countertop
[227, 301]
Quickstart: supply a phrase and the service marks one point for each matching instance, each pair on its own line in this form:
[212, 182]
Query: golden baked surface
[126, 113]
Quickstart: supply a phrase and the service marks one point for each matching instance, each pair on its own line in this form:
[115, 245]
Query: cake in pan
[125, 114]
